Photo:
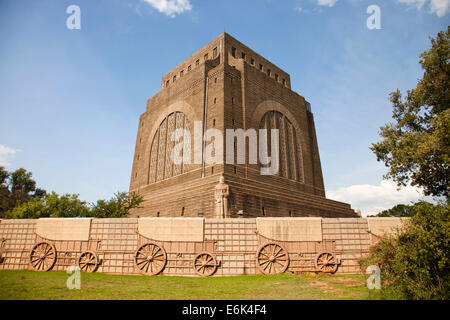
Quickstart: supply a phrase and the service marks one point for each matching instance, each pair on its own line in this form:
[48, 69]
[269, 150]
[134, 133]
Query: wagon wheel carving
[150, 259]
[272, 258]
[327, 262]
[2, 249]
[43, 256]
[205, 264]
[88, 261]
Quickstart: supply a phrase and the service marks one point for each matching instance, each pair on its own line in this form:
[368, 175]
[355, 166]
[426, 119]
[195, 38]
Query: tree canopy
[51, 205]
[117, 207]
[400, 210]
[69, 205]
[17, 187]
[21, 199]
[416, 146]
[415, 262]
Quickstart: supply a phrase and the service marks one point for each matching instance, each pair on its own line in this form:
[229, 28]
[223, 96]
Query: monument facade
[227, 88]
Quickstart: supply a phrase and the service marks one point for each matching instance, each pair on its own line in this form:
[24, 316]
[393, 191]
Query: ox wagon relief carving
[168, 241]
[151, 257]
[64, 243]
[275, 257]
[184, 246]
[296, 244]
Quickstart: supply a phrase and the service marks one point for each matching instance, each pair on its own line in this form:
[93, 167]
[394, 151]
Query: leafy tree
[17, 187]
[20, 199]
[415, 263]
[400, 210]
[4, 191]
[416, 147]
[56, 206]
[117, 207]
[3, 176]
[51, 205]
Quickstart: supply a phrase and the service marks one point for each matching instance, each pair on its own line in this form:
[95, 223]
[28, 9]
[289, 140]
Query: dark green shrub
[414, 263]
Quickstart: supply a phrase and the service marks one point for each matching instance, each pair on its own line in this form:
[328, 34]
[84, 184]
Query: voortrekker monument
[227, 160]
[229, 90]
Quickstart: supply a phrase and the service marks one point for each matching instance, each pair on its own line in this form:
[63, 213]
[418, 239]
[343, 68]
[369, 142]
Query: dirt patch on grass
[322, 285]
[356, 284]
[344, 279]
[349, 282]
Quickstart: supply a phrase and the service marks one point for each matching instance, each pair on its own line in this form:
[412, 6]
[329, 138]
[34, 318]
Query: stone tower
[226, 85]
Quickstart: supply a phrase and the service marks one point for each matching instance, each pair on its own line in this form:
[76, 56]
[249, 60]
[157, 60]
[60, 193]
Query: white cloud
[440, 7]
[6, 155]
[371, 199]
[170, 7]
[329, 3]
[416, 3]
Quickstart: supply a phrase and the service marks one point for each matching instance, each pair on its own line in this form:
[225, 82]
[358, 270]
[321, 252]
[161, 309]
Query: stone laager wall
[177, 246]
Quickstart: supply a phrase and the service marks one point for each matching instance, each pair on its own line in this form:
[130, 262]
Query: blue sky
[70, 99]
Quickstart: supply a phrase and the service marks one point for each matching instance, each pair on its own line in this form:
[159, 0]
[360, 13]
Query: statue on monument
[221, 194]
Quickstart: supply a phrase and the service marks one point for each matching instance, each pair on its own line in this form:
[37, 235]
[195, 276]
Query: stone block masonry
[227, 86]
[179, 246]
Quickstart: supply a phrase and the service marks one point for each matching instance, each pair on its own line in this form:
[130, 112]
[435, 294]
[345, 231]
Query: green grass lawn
[52, 285]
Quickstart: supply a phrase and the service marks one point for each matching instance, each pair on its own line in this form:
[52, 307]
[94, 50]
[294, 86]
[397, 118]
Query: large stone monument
[227, 86]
